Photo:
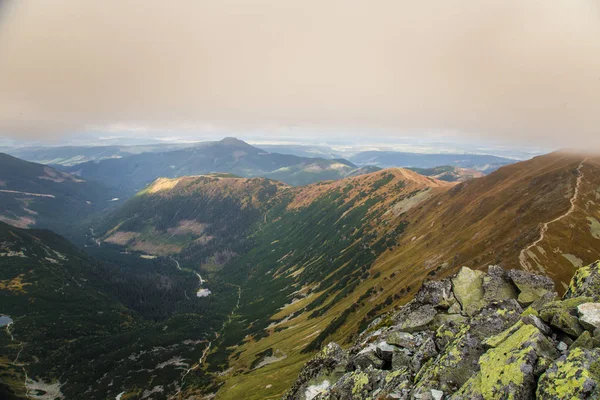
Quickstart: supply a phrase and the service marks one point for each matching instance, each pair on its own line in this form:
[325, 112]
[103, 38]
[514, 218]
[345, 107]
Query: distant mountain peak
[231, 141]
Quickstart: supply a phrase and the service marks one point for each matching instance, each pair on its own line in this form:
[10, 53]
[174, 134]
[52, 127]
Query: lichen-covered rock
[531, 287]
[585, 282]
[538, 323]
[356, 385]
[443, 319]
[402, 339]
[327, 366]
[507, 371]
[589, 315]
[366, 358]
[562, 315]
[414, 317]
[494, 318]
[496, 285]
[424, 353]
[585, 341]
[385, 351]
[453, 367]
[468, 337]
[437, 293]
[467, 286]
[574, 376]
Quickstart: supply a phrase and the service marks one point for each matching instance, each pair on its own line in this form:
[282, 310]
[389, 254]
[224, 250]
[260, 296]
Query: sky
[520, 71]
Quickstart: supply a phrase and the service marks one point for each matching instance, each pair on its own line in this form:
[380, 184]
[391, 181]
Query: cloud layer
[513, 69]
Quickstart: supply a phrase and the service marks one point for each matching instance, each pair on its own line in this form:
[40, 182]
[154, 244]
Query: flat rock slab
[589, 315]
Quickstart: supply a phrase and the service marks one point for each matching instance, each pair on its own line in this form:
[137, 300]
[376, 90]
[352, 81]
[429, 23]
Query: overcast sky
[521, 70]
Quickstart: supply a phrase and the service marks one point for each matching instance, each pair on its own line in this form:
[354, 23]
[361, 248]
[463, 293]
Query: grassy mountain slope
[229, 155]
[449, 173]
[35, 195]
[312, 253]
[200, 219]
[489, 220]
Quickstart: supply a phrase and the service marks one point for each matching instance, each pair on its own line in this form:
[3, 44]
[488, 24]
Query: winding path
[523, 255]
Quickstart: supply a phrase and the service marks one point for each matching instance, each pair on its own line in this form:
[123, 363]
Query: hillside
[35, 195]
[201, 219]
[490, 220]
[230, 155]
[74, 325]
[449, 173]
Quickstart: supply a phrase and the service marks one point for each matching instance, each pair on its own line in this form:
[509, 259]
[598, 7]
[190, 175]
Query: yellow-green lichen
[496, 340]
[568, 377]
[361, 379]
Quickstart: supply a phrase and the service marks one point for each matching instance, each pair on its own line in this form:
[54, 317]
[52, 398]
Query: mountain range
[35, 195]
[230, 155]
[256, 275]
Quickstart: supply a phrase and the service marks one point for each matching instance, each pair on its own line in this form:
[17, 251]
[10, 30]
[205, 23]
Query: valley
[229, 285]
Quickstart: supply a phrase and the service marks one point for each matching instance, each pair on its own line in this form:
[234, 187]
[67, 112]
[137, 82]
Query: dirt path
[523, 255]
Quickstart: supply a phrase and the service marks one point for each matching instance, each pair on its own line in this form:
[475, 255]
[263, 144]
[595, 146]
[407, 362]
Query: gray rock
[496, 285]
[562, 346]
[366, 358]
[331, 362]
[402, 339]
[425, 352]
[467, 286]
[589, 315]
[384, 351]
[538, 323]
[572, 376]
[414, 317]
[531, 287]
[437, 293]
[437, 394]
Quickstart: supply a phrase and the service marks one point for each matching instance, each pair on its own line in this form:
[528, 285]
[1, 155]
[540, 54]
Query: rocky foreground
[495, 335]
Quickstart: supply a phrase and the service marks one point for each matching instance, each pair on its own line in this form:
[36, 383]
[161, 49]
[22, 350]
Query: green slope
[35, 195]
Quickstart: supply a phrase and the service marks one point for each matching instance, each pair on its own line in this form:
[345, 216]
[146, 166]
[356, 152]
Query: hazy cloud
[522, 69]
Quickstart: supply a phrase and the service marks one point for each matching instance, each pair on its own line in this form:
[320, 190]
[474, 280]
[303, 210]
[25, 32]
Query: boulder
[573, 376]
[496, 285]
[402, 339]
[437, 293]
[585, 341]
[531, 287]
[585, 282]
[366, 358]
[384, 351]
[562, 315]
[494, 318]
[507, 371]
[329, 364]
[538, 323]
[589, 315]
[414, 317]
[467, 286]
[424, 353]
[357, 385]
